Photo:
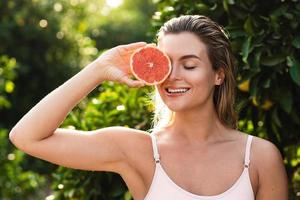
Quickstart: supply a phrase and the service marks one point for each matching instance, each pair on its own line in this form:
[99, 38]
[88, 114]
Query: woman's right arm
[37, 133]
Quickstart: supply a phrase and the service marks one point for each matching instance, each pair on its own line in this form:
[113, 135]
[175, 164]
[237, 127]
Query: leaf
[295, 71]
[275, 118]
[225, 5]
[267, 83]
[256, 62]
[127, 196]
[248, 26]
[272, 60]
[245, 50]
[253, 87]
[295, 117]
[296, 42]
[202, 7]
[286, 100]
[280, 10]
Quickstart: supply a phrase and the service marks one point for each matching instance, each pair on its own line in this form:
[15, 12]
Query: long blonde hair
[220, 55]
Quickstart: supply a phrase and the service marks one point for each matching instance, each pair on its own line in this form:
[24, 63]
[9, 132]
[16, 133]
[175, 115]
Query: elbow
[19, 139]
[15, 139]
[12, 136]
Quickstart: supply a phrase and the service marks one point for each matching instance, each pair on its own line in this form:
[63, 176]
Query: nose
[175, 74]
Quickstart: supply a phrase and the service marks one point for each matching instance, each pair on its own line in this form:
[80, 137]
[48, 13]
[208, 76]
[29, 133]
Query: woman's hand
[115, 64]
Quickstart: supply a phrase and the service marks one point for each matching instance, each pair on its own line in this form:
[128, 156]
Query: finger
[148, 45]
[132, 83]
[151, 45]
[137, 84]
[133, 46]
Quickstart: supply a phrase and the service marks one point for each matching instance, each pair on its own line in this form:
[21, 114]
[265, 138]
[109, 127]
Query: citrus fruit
[151, 65]
[244, 86]
[254, 101]
[267, 104]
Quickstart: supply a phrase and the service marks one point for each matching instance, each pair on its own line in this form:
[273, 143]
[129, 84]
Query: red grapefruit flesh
[150, 65]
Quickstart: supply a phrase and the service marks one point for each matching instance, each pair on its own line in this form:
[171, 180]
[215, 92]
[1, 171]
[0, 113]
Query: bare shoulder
[135, 143]
[139, 167]
[268, 161]
[265, 153]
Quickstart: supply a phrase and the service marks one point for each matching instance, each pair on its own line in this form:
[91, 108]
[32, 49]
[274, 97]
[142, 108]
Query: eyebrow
[189, 56]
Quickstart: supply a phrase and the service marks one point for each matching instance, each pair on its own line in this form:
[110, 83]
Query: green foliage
[7, 75]
[42, 44]
[127, 23]
[115, 105]
[36, 35]
[265, 40]
[15, 182]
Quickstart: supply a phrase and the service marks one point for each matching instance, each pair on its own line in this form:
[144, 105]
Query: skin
[219, 150]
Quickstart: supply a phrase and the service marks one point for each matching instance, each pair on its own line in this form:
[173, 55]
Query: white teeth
[181, 90]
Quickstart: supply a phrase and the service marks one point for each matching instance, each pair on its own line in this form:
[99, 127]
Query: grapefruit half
[151, 65]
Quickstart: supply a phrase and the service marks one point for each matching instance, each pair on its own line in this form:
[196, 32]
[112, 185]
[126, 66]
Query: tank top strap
[247, 153]
[155, 149]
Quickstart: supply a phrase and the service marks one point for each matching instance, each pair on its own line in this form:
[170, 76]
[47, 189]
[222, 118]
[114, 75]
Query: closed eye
[189, 67]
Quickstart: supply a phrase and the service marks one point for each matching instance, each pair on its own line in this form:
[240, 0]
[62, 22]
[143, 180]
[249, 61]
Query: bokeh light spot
[50, 197]
[58, 7]
[43, 23]
[60, 35]
[120, 107]
[9, 86]
[11, 156]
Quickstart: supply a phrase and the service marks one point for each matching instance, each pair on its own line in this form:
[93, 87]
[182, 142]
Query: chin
[178, 108]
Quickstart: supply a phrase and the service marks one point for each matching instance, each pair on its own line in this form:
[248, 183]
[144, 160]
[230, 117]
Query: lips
[177, 90]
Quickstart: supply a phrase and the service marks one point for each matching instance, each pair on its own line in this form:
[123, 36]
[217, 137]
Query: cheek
[203, 82]
[202, 77]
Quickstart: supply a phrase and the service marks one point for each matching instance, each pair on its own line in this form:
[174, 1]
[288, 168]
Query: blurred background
[43, 43]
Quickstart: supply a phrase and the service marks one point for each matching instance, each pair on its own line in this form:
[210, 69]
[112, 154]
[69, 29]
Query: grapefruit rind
[162, 55]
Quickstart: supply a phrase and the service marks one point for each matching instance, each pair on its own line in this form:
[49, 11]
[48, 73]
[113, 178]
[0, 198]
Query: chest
[198, 171]
[203, 171]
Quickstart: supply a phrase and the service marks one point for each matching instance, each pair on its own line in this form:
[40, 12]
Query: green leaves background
[33, 61]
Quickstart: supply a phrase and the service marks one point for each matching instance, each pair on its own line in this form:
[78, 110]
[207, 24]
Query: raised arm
[37, 133]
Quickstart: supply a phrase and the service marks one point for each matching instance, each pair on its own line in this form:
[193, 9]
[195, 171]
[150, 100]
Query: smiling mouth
[177, 90]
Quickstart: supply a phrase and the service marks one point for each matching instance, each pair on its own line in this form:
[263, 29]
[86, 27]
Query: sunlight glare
[114, 3]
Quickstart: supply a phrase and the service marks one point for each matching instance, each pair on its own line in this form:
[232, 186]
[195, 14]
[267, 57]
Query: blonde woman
[195, 151]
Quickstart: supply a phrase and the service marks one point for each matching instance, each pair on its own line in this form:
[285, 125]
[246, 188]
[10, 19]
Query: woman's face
[192, 80]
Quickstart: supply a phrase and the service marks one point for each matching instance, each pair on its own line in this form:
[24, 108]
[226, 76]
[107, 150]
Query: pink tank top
[163, 188]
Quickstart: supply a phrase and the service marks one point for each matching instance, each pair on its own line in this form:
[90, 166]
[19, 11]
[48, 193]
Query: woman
[198, 153]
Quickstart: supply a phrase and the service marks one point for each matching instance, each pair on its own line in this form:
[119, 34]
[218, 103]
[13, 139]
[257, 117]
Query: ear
[219, 76]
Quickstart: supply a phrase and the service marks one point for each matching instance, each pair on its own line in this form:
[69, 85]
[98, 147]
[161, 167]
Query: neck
[198, 125]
